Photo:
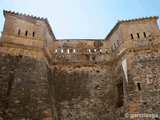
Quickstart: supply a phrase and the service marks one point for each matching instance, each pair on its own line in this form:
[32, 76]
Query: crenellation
[43, 78]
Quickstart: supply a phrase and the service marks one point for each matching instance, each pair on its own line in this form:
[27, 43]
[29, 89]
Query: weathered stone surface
[24, 88]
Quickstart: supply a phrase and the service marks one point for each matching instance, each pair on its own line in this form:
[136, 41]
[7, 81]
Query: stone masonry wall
[144, 81]
[24, 88]
[84, 92]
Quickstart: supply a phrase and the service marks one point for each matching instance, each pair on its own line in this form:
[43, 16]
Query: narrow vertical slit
[19, 32]
[132, 36]
[138, 35]
[139, 86]
[26, 33]
[100, 50]
[144, 34]
[74, 51]
[33, 35]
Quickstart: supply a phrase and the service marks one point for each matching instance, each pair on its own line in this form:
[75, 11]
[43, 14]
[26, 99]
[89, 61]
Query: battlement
[36, 32]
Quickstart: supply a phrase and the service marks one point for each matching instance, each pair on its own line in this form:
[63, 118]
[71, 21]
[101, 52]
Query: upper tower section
[125, 32]
[128, 29]
[25, 28]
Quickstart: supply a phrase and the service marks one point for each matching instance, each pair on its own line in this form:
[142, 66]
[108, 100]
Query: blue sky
[82, 19]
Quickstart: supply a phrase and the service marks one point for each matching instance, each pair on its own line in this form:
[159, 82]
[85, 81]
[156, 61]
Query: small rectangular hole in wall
[119, 95]
[62, 51]
[19, 32]
[74, 51]
[68, 51]
[106, 50]
[95, 50]
[33, 35]
[56, 51]
[139, 86]
[132, 36]
[26, 33]
[144, 34]
[138, 35]
[89, 50]
[100, 50]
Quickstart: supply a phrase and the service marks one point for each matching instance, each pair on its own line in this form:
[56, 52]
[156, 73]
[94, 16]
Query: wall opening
[26, 33]
[119, 94]
[106, 50]
[68, 51]
[89, 50]
[117, 42]
[19, 32]
[144, 34]
[138, 35]
[56, 51]
[100, 50]
[33, 35]
[62, 51]
[132, 36]
[74, 51]
[139, 86]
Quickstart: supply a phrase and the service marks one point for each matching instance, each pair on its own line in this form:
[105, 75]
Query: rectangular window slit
[74, 51]
[33, 35]
[144, 34]
[89, 50]
[100, 50]
[138, 35]
[56, 51]
[139, 86]
[62, 51]
[68, 51]
[106, 50]
[26, 33]
[131, 36]
[19, 32]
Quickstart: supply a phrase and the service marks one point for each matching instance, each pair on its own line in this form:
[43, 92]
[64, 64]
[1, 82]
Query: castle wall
[120, 82]
[25, 74]
[139, 28]
[24, 88]
[14, 23]
[84, 92]
[45, 78]
[143, 69]
[81, 46]
[116, 38]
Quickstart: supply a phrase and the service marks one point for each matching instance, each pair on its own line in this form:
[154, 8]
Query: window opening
[132, 36]
[26, 33]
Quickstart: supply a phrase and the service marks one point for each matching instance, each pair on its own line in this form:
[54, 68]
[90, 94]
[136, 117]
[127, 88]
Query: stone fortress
[42, 78]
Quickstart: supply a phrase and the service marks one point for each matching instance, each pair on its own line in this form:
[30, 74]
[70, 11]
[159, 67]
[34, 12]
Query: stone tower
[42, 78]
